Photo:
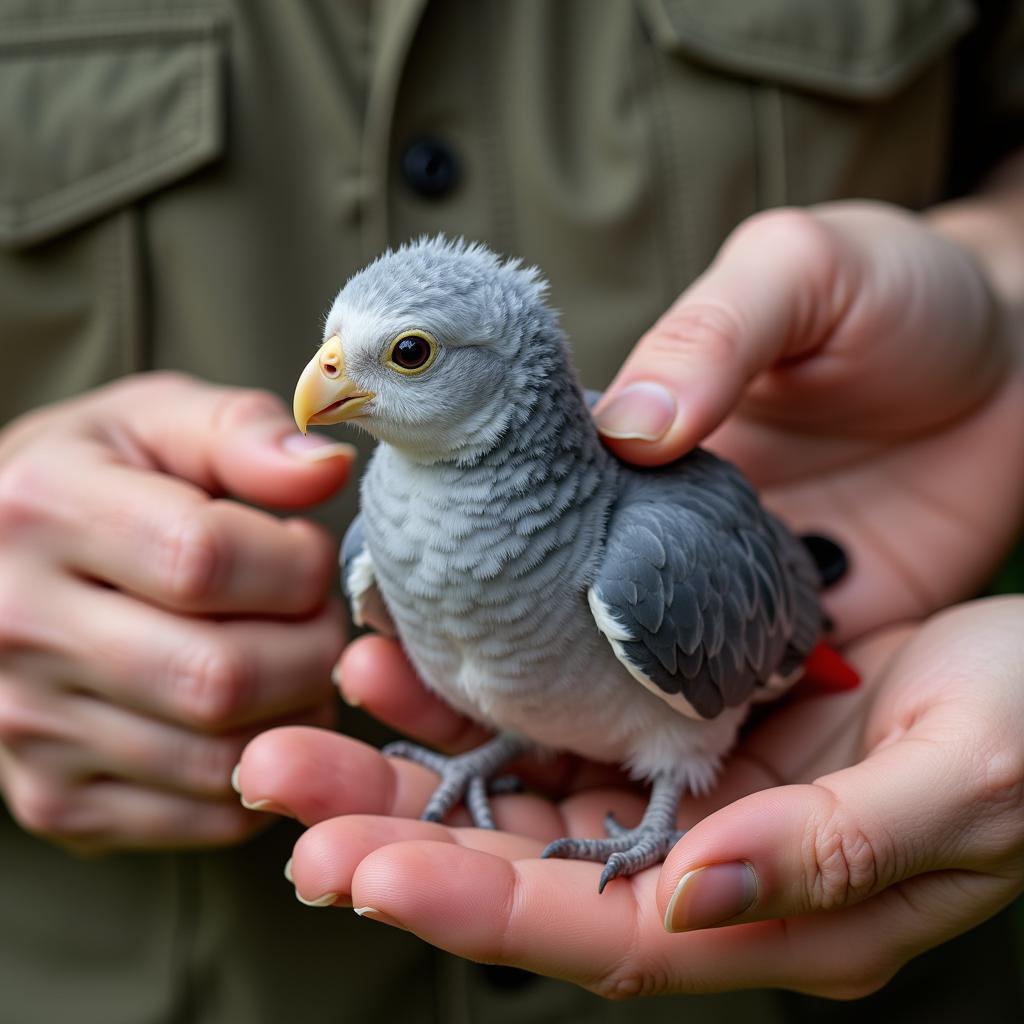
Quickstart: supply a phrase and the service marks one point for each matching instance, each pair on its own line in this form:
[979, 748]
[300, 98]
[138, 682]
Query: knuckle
[1002, 778]
[18, 724]
[40, 806]
[242, 405]
[192, 559]
[335, 635]
[24, 482]
[151, 388]
[159, 382]
[212, 685]
[14, 614]
[711, 329]
[632, 981]
[995, 800]
[856, 980]
[316, 562]
[803, 242]
[792, 232]
[209, 763]
[841, 863]
[232, 824]
[636, 971]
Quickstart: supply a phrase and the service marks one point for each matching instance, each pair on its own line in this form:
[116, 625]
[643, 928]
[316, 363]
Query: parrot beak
[324, 394]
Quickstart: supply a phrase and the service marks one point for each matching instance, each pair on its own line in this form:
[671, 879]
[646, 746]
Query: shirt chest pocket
[798, 101]
[93, 116]
[96, 113]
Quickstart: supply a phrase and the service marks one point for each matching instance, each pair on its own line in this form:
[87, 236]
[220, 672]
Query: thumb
[799, 849]
[774, 292]
[228, 440]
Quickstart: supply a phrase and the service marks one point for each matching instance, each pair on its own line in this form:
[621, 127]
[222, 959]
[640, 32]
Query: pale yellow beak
[324, 394]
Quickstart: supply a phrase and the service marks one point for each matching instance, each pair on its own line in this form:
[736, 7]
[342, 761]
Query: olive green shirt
[187, 183]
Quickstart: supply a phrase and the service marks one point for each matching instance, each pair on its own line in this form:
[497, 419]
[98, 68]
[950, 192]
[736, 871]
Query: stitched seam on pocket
[118, 176]
[857, 73]
[795, 56]
[111, 27]
[170, 156]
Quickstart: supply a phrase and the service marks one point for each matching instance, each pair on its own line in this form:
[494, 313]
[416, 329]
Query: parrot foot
[469, 777]
[625, 853]
[629, 850]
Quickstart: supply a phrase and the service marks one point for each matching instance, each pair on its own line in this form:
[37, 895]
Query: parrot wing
[705, 598]
[359, 581]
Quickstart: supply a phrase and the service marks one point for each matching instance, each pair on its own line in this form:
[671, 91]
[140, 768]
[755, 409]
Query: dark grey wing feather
[702, 593]
[359, 582]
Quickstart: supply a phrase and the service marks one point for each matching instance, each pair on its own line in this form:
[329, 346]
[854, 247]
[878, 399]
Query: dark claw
[611, 870]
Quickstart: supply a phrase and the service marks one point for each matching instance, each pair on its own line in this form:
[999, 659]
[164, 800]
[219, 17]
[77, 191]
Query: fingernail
[373, 914]
[316, 447]
[235, 785]
[264, 805]
[711, 896]
[326, 900]
[641, 411]
[288, 870]
[336, 679]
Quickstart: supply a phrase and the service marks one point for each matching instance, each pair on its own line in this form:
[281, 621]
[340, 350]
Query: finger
[92, 739]
[326, 856]
[214, 676]
[313, 774]
[92, 816]
[328, 853]
[118, 815]
[375, 674]
[745, 314]
[801, 849]
[938, 789]
[165, 540]
[546, 916]
[232, 440]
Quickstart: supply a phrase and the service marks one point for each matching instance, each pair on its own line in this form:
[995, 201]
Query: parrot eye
[412, 352]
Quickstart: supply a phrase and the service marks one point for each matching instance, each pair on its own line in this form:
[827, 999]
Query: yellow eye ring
[412, 353]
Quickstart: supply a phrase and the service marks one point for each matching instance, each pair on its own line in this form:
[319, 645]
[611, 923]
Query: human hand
[148, 626]
[878, 824]
[853, 362]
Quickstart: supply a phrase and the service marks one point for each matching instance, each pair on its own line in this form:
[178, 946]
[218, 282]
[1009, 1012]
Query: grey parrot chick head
[432, 348]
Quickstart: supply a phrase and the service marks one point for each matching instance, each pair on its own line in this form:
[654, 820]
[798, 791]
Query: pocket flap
[849, 49]
[95, 115]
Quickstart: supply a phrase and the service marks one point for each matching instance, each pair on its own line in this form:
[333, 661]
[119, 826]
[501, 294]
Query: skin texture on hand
[873, 388]
[150, 624]
[871, 826]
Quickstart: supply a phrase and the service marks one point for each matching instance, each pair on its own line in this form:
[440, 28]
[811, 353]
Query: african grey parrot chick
[537, 584]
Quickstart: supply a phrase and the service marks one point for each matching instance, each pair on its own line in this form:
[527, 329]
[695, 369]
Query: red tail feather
[827, 671]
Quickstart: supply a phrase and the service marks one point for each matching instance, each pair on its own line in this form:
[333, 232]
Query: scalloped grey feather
[537, 584]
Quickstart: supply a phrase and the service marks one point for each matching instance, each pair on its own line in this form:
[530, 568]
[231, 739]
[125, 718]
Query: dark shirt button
[430, 168]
